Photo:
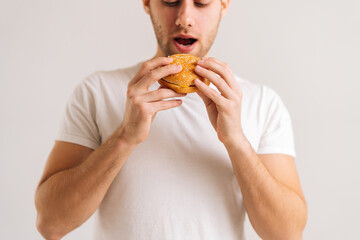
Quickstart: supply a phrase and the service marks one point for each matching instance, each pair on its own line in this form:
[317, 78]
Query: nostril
[184, 21]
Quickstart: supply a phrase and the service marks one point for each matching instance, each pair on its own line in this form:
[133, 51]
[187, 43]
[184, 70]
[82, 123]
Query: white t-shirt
[179, 183]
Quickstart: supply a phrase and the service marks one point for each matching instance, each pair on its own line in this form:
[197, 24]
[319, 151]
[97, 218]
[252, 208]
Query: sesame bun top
[185, 78]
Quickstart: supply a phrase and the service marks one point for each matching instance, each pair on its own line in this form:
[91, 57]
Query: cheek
[214, 18]
[165, 19]
[159, 18]
[208, 22]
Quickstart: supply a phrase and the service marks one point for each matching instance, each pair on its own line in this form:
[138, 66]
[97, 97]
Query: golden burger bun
[183, 82]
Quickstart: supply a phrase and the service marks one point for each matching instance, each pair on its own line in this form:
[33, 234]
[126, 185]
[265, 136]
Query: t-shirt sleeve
[277, 135]
[79, 122]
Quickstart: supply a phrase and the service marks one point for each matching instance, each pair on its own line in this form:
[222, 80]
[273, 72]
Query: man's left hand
[224, 108]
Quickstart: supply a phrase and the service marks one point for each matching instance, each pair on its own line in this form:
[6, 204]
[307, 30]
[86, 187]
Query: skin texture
[269, 183]
[76, 178]
[200, 22]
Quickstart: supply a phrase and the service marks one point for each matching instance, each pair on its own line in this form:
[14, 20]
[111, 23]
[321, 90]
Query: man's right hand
[76, 178]
[142, 104]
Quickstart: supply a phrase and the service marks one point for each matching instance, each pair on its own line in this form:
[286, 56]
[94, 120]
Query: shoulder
[261, 100]
[125, 73]
[101, 80]
[255, 91]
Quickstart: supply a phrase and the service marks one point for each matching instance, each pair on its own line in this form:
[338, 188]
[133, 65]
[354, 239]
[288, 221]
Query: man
[161, 165]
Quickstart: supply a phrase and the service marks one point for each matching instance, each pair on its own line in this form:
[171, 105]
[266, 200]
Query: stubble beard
[168, 48]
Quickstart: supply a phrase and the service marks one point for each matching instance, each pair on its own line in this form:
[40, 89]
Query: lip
[184, 36]
[183, 48]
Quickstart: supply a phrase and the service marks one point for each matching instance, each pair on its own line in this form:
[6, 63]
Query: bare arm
[76, 178]
[269, 183]
[271, 191]
[69, 197]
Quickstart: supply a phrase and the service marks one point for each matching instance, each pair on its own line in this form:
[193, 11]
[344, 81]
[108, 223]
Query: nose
[185, 17]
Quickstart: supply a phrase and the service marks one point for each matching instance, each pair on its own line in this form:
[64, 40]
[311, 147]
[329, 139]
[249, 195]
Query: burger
[183, 82]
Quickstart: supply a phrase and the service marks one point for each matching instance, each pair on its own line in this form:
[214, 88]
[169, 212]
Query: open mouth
[185, 41]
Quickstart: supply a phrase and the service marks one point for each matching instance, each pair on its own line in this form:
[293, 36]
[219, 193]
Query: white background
[308, 51]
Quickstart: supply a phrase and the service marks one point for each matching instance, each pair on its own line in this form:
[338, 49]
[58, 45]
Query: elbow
[288, 232]
[295, 229]
[283, 235]
[297, 236]
[296, 233]
[294, 237]
[46, 225]
[47, 230]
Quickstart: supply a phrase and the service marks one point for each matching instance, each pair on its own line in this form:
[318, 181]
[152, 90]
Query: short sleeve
[79, 122]
[277, 135]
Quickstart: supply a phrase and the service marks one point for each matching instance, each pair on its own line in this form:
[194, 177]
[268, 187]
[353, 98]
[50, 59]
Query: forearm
[68, 198]
[275, 210]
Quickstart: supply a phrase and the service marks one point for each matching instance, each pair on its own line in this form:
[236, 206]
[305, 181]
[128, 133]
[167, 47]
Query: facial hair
[168, 48]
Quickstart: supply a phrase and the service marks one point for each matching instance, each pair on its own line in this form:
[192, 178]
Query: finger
[209, 92]
[165, 105]
[219, 83]
[151, 77]
[220, 68]
[160, 94]
[205, 99]
[149, 66]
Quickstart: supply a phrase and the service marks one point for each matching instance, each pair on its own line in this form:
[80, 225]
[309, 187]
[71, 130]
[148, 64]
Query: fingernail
[198, 67]
[200, 61]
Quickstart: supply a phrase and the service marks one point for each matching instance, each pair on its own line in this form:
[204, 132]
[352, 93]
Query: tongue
[185, 41]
